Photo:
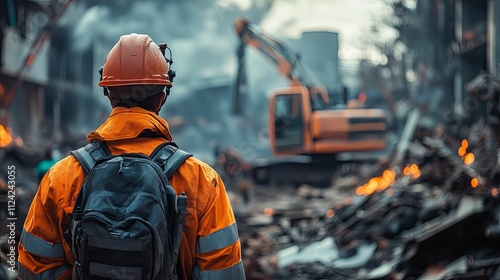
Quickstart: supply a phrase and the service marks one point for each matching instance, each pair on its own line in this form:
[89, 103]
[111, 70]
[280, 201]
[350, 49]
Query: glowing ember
[377, 183]
[465, 144]
[414, 168]
[474, 182]
[5, 137]
[461, 151]
[469, 159]
[406, 171]
[268, 211]
[494, 192]
[330, 213]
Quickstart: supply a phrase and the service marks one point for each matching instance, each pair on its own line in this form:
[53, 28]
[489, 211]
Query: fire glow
[330, 213]
[412, 170]
[5, 137]
[377, 183]
[494, 192]
[268, 211]
[468, 158]
[474, 182]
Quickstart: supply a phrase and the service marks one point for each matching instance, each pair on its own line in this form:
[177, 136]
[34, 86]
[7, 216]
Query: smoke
[203, 41]
[190, 29]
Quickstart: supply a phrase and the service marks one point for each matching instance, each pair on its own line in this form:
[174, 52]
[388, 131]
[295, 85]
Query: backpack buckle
[78, 214]
[182, 204]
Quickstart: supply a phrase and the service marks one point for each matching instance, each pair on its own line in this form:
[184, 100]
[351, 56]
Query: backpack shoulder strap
[169, 157]
[90, 154]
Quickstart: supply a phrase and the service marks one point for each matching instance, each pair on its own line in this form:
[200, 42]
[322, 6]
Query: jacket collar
[129, 123]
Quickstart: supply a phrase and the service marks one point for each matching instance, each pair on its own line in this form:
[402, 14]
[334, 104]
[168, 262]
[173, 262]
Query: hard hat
[135, 60]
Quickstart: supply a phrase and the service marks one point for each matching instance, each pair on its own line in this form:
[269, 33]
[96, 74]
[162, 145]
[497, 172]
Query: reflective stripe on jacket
[210, 248]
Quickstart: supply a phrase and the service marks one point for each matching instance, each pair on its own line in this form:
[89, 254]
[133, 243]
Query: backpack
[127, 221]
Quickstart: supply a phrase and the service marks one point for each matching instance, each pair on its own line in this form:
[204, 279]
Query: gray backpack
[127, 221]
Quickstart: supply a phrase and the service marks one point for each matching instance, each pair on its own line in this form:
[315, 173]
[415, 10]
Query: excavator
[307, 130]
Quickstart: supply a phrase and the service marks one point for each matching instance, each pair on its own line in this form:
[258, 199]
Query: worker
[135, 78]
[235, 171]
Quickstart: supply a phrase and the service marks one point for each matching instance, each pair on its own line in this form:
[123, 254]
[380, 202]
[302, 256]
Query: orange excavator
[302, 119]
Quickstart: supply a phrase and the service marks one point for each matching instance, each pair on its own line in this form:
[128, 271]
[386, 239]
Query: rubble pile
[430, 212]
[15, 196]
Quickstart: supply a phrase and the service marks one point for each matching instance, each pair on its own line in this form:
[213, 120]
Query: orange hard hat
[135, 60]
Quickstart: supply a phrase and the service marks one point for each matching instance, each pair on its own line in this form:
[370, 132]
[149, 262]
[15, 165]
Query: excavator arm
[286, 61]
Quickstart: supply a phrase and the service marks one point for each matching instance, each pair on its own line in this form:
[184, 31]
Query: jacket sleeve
[218, 249]
[41, 250]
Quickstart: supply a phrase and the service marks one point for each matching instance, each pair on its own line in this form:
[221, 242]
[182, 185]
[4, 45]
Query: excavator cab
[289, 112]
[287, 120]
[300, 122]
[288, 116]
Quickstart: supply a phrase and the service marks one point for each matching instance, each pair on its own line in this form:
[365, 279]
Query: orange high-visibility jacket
[210, 247]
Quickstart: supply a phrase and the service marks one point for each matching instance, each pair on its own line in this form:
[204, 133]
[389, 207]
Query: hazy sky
[351, 19]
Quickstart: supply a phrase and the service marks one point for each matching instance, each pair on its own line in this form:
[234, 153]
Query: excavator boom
[285, 61]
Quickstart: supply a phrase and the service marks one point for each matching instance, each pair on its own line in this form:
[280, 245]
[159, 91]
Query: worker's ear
[162, 101]
[112, 101]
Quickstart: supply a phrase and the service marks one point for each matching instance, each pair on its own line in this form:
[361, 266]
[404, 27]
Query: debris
[437, 218]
